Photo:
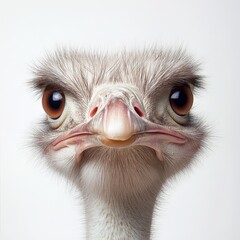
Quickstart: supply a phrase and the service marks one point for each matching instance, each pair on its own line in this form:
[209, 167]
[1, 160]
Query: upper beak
[116, 122]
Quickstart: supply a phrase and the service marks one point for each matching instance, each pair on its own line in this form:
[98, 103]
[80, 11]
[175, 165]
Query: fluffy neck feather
[120, 193]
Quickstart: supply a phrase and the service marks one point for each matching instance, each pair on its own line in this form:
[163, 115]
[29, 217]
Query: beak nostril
[93, 112]
[138, 111]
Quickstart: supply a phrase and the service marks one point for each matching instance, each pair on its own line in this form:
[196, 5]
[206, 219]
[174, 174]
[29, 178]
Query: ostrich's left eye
[53, 102]
[181, 100]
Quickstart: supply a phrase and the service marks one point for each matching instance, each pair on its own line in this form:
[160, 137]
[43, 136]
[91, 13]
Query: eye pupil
[179, 98]
[55, 100]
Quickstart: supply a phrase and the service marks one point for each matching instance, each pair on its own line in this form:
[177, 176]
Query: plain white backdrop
[203, 203]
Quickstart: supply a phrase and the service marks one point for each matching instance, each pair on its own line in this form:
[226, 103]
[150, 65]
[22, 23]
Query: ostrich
[118, 126]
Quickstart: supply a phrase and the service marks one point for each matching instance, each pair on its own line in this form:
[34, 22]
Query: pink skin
[117, 126]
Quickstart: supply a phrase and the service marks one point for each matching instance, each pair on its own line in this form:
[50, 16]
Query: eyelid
[53, 87]
[67, 91]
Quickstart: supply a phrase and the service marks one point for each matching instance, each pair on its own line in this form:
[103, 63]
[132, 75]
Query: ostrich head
[118, 126]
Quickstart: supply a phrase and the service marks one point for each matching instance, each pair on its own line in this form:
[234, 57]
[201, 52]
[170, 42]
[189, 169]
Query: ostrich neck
[119, 190]
[118, 219]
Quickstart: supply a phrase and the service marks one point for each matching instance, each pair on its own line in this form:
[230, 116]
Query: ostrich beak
[117, 122]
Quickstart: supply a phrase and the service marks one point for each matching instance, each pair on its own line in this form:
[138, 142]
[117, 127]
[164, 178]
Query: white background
[202, 203]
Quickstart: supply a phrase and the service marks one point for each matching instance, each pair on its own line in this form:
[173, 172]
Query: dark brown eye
[181, 100]
[53, 102]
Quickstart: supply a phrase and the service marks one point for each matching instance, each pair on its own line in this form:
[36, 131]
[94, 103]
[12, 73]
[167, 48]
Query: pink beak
[118, 122]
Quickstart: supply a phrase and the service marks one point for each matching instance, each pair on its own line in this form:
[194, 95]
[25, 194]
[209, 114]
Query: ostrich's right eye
[53, 102]
[181, 100]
